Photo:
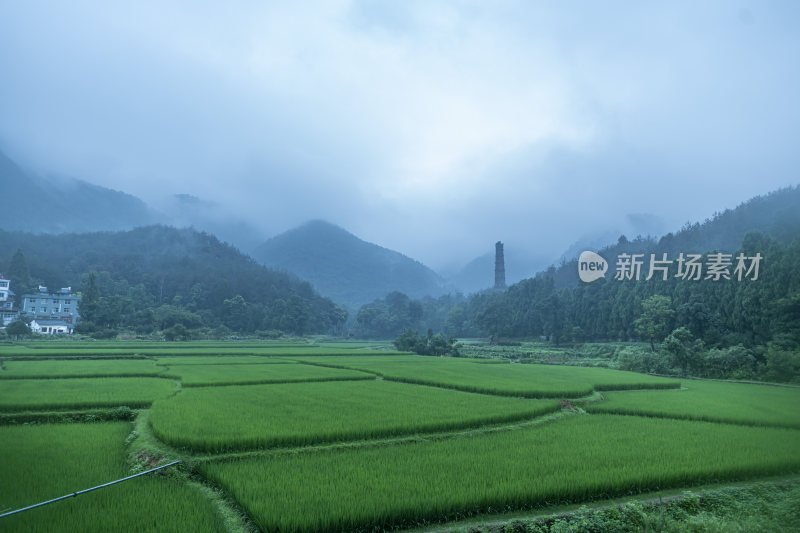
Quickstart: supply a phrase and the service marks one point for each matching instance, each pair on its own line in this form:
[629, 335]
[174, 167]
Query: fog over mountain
[61, 204]
[433, 129]
[345, 268]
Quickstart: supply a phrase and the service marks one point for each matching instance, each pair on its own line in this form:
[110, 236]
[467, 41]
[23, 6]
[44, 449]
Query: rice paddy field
[351, 436]
[735, 403]
[71, 393]
[530, 381]
[222, 419]
[348, 489]
[56, 368]
[288, 372]
[46, 461]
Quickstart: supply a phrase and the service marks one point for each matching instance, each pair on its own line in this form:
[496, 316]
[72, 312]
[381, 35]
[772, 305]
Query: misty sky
[433, 128]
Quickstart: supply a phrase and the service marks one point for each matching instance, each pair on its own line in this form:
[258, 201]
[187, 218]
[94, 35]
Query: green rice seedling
[103, 414]
[574, 459]
[136, 345]
[208, 375]
[57, 368]
[78, 393]
[179, 349]
[357, 345]
[530, 381]
[719, 401]
[46, 461]
[236, 418]
[219, 360]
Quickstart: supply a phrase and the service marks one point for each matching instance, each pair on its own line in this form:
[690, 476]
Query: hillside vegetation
[345, 268]
[158, 277]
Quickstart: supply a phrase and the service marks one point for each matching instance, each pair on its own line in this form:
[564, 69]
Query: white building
[51, 327]
[8, 313]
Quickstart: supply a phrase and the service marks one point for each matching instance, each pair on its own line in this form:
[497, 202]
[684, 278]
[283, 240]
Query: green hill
[345, 268]
[147, 268]
[775, 214]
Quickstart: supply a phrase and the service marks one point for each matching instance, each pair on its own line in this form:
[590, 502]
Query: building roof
[51, 295]
[46, 322]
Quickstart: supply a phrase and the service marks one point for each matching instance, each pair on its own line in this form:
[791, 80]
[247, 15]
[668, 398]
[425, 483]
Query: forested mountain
[723, 322]
[775, 214]
[721, 312]
[345, 268]
[57, 205]
[156, 277]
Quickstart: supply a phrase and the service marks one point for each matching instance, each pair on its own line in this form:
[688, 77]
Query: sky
[434, 128]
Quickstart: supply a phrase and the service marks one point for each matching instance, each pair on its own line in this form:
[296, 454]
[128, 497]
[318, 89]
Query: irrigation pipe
[75, 494]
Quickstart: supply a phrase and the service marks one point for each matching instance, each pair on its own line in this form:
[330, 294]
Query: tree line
[161, 279]
[722, 328]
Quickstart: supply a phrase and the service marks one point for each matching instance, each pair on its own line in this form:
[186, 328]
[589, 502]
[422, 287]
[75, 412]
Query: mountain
[775, 214]
[345, 268]
[211, 217]
[57, 205]
[154, 266]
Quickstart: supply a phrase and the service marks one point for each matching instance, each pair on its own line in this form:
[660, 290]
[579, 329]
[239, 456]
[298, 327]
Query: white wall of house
[49, 329]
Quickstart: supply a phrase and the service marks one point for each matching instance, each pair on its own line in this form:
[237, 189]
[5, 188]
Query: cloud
[432, 128]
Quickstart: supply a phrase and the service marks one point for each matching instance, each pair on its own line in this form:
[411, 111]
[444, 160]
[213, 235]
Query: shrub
[411, 341]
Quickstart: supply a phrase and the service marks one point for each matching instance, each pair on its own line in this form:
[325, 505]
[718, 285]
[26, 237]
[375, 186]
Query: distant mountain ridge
[62, 205]
[68, 205]
[345, 268]
[776, 214]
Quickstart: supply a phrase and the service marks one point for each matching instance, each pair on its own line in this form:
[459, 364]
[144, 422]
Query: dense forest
[162, 278]
[748, 327]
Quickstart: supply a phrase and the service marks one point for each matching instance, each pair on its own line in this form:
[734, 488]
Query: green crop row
[62, 417]
[574, 459]
[178, 350]
[82, 367]
[219, 360]
[530, 381]
[238, 418]
[46, 461]
[209, 375]
[135, 345]
[79, 393]
[737, 403]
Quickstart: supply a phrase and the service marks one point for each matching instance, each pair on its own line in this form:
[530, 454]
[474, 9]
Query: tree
[297, 316]
[19, 274]
[407, 341]
[411, 341]
[654, 322]
[235, 313]
[683, 349]
[18, 267]
[18, 329]
[88, 306]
